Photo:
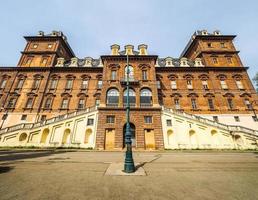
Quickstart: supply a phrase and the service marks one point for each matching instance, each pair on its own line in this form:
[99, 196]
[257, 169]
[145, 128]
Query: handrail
[47, 121]
[214, 123]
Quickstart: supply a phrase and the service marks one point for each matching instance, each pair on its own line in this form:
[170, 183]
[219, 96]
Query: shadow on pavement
[5, 169]
[21, 155]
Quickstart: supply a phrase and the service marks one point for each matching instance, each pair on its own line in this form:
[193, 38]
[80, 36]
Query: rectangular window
[148, 119]
[189, 84]
[177, 104]
[239, 85]
[209, 45]
[110, 119]
[222, 45]
[3, 84]
[229, 59]
[97, 102]
[69, 84]
[211, 105]
[90, 121]
[230, 104]
[36, 84]
[53, 84]
[158, 85]
[23, 117]
[223, 85]
[215, 118]
[173, 85]
[48, 103]
[43, 118]
[11, 103]
[237, 119]
[81, 104]
[84, 84]
[20, 84]
[64, 104]
[29, 102]
[44, 61]
[205, 85]
[99, 86]
[169, 122]
[248, 104]
[215, 60]
[113, 75]
[144, 75]
[29, 61]
[194, 105]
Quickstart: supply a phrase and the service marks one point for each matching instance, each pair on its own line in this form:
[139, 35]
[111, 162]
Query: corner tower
[215, 49]
[43, 50]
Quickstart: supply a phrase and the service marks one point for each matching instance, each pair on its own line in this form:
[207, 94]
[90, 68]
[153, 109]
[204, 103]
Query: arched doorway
[170, 137]
[88, 134]
[66, 136]
[215, 138]
[44, 136]
[132, 128]
[193, 139]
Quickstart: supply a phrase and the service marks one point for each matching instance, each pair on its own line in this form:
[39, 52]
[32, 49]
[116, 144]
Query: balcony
[132, 81]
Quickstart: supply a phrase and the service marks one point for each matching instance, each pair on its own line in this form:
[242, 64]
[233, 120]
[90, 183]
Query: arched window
[131, 72]
[146, 97]
[131, 97]
[112, 97]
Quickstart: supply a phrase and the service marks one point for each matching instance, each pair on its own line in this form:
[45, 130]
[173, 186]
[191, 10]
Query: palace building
[204, 99]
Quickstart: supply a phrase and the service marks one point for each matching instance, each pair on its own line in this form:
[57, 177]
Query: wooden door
[110, 139]
[149, 139]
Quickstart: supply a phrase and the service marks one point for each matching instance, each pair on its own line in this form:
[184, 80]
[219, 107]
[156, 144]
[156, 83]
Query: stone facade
[208, 80]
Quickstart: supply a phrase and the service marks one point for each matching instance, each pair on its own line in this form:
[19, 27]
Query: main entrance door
[110, 139]
[132, 128]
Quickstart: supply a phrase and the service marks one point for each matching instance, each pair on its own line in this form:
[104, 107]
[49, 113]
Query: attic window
[49, 46]
[209, 45]
[35, 46]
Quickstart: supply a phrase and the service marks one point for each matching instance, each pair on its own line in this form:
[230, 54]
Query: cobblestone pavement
[50, 174]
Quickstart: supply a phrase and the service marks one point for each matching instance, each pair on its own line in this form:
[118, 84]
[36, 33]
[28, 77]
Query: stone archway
[66, 136]
[132, 128]
[44, 136]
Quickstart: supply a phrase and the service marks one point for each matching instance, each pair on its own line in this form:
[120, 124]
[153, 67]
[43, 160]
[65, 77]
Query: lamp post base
[129, 163]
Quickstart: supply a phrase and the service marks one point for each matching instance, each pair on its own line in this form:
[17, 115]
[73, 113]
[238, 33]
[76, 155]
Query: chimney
[40, 33]
[142, 49]
[115, 49]
[129, 49]
[60, 62]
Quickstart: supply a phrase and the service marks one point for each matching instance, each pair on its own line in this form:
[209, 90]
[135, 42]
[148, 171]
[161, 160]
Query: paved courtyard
[75, 174]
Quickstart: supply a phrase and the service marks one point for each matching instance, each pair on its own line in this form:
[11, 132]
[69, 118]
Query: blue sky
[93, 25]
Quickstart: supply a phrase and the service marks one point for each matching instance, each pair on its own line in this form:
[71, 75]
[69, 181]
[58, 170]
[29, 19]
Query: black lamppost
[129, 163]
